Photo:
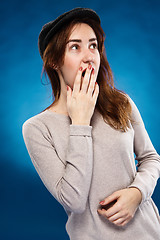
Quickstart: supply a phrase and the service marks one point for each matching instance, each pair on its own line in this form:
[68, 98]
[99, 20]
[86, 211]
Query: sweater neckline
[61, 115]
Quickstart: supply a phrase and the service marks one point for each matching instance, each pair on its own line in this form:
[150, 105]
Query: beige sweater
[82, 165]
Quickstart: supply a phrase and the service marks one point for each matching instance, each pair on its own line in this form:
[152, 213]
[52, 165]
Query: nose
[88, 56]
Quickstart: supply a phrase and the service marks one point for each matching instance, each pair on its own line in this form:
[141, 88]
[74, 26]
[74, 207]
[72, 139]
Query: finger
[122, 222]
[125, 222]
[113, 210]
[86, 78]
[102, 212]
[96, 91]
[119, 221]
[91, 86]
[116, 216]
[111, 198]
[77, 82]
[68, 93]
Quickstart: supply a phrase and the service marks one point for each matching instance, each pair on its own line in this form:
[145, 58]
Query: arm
[148, 170]
[127, 200]
[69, 183]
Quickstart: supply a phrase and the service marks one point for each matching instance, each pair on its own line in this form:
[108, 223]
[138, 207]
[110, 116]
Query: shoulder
[131, 101]
[128, 98]
[35, 120]
[135, 113]
[46, 123]
[36, 123]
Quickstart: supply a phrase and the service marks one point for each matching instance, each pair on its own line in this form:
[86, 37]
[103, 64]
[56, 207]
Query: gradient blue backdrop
[27, 209]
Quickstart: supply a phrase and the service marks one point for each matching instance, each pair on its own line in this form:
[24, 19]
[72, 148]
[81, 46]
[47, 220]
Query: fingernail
[80, 68]
[101, 202]
[93, 71]
[67, 88]
[89, 66]
[96, 82]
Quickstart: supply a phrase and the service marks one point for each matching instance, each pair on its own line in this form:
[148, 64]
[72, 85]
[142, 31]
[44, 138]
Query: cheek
[69, 70]
[98, 59]
[98, 62]
[71, 66]
[70, 62]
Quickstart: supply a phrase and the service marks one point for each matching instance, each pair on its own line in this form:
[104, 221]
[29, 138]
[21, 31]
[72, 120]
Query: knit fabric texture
[82, 165]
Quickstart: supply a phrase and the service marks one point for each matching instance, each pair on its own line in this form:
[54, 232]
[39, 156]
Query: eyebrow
[79, 40]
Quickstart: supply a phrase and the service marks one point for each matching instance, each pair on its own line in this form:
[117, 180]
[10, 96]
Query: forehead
[82, 30]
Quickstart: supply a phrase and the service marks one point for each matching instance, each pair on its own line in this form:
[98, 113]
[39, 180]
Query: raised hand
[82, 100]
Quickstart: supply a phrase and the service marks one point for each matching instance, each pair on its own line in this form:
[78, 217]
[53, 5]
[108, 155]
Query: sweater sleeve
[69, 183]
[148, 167]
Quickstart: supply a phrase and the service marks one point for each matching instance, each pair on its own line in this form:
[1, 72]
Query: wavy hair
[112, 103]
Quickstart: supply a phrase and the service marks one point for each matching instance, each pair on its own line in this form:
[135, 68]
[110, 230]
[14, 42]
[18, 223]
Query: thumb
[110, 198]
[68, 92]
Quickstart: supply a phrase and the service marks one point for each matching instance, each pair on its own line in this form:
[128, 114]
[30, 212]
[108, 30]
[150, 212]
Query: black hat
[50, 28]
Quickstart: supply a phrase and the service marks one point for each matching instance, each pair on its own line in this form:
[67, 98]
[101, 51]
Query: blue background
[27, 209]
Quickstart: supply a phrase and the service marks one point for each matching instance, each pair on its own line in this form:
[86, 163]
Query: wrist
[80, 123]
[137, 193]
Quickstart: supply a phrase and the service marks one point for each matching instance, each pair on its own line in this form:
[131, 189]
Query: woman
[83, 144]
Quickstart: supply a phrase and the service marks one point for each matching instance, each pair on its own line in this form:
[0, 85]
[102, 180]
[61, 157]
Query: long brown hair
[112, 103]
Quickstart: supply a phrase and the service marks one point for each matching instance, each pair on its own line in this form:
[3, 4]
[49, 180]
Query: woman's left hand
[123, 210]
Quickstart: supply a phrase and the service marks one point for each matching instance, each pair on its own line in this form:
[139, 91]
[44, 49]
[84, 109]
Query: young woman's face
[81, 49]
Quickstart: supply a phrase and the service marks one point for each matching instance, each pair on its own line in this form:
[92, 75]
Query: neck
[61, 105]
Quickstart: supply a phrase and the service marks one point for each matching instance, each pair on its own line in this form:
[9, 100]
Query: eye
[93, 46]
[75, 47]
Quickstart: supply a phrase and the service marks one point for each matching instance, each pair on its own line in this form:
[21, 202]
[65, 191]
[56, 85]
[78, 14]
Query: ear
[55, 67]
